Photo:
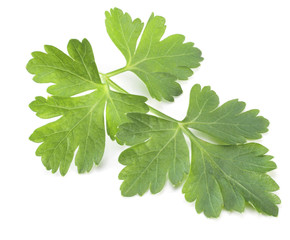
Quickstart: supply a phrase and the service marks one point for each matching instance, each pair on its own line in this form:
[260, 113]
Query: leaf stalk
[116, 72]
[120, 89]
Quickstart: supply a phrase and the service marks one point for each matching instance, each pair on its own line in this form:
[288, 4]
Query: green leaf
[123, 31]
[82, 123]
[221, 176]
[228, 176]
[118, 105]
[159, 149]
[227, 123]
[158, 63]
[70, 74]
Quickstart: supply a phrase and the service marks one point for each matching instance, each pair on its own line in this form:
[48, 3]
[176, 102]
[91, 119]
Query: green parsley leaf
[221, 176]
[118, 105]
[227, 123]
[159, 149]
[228, 176]
[82, 123]
[123, 31]
[158, 63]
[71, 74]
[227, 173]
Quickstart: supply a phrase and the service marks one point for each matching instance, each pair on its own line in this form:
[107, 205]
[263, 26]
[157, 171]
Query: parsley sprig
[226, 172]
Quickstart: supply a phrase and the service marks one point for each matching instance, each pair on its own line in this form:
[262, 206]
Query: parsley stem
[161, 114]
[114, 85]
[115, 72]
[152, 109]
[188, 133]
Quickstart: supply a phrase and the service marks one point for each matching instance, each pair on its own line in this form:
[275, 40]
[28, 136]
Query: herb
[157, 63]
[219, 175]
[82, 123]
[225, 174]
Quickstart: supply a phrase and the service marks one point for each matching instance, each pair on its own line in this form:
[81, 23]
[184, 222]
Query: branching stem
[106, 78]
[116, 72]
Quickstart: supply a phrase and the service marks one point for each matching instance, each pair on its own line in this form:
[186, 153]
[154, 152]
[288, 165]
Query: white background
[247, 56]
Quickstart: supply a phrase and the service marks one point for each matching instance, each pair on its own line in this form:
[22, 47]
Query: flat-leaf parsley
[224, 171]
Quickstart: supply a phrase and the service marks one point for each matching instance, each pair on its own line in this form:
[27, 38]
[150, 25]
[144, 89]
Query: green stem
[115, 86]
[188, 133]
[152, 109]
[115, 72]
[161, 114]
